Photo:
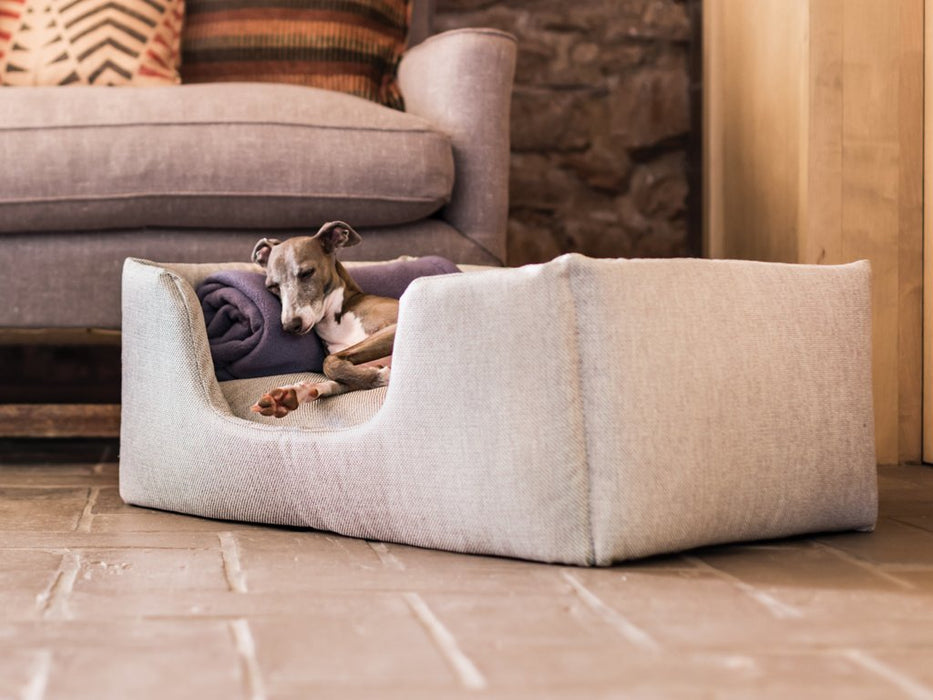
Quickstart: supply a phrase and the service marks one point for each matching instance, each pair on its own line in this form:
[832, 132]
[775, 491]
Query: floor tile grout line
[53, 601]
[467, 672]
[777, 608]
[109, 455]
[907, 523]
[864, 565]
[629, 630]
[905, 567]
[389, 560]
[246, 651]
[87, 515]
[230, 556]
[911, 687]
[39, 678]
[338, 542]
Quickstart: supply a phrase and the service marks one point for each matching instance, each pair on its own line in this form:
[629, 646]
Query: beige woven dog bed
[580, 411]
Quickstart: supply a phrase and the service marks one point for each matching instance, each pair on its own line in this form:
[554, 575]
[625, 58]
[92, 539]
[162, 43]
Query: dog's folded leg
[353, 366]
[346, 371]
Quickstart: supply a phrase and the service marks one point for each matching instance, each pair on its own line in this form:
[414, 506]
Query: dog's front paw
[278, 402]
[382, 375]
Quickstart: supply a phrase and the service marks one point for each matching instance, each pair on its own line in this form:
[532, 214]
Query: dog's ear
[336, 234]
[262, 249]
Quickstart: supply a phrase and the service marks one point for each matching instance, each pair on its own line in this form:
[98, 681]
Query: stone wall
[601, 123]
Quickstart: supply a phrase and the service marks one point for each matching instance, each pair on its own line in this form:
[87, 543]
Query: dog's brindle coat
[318, 293]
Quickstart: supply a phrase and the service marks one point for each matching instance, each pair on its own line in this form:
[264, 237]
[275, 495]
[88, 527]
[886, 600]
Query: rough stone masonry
[601, 123]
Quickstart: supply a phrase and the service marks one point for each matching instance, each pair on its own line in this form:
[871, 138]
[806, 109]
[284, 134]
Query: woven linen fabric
[352, 46]
[616, 409]
[90, 42]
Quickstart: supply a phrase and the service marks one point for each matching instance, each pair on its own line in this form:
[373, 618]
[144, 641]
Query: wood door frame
[927, 378]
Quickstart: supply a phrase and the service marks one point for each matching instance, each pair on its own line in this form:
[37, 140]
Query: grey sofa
[195, 173]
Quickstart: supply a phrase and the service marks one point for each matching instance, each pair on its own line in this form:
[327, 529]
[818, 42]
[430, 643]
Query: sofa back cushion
[91, 42]
[348, 45]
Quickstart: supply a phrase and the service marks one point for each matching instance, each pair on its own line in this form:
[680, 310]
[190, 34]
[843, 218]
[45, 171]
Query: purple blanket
[243, 318]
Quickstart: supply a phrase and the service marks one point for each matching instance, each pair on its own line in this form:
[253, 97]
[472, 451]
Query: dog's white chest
[339, 335]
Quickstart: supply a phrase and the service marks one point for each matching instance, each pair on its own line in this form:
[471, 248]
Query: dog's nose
[292, 325]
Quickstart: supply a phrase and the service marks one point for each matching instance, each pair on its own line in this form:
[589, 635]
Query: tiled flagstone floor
[103, 600]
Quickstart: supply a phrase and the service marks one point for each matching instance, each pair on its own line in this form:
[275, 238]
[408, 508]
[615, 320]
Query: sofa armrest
[461, 81]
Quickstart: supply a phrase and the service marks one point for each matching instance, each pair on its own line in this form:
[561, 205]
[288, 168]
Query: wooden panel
[928, 238]
[882, 191]
[843, 180]
[821, 232]
[712, 179]
[59, 420]
[754, 134]
[909, 355]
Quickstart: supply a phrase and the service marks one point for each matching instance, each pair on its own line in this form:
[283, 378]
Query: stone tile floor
[102, 600]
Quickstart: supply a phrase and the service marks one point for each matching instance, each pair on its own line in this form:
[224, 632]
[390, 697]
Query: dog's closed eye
[306, 274]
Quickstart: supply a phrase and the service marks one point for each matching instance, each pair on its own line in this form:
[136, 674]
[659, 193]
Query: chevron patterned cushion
[348, 45]
[90, 42]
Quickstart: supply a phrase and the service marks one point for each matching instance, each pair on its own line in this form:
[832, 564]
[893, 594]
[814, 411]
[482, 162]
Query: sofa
[196, 173]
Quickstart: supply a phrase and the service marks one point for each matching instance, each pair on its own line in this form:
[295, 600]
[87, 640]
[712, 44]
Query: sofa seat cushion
[243, 155]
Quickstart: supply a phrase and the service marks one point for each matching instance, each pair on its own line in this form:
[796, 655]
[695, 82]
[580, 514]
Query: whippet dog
[318, 294]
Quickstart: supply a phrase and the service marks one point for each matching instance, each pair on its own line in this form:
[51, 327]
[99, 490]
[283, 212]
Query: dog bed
[581, 411]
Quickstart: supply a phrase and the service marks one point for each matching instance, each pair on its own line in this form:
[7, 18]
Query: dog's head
[302, 272]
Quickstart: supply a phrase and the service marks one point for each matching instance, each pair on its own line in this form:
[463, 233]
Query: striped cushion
[348, 45]
[96, 42]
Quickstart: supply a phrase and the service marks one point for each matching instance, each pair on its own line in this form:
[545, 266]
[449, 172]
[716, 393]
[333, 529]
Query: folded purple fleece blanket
[243, 318]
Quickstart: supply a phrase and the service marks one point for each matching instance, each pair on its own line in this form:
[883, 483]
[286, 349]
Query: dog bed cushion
[244, 325]
[582, 411]
[337, 413]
